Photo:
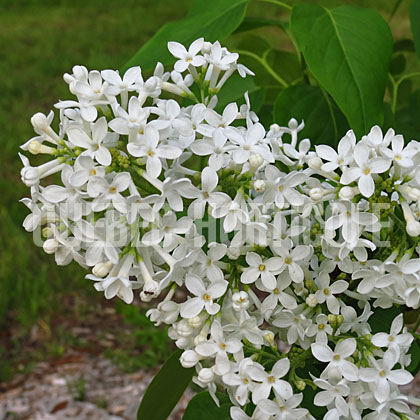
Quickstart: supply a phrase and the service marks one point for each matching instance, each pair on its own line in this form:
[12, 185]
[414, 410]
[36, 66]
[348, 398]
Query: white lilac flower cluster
[266, 256]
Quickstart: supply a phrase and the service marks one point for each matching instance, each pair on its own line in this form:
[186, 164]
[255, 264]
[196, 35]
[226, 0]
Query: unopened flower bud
[233, 253]
[311, 301]
[206, 375]
[151, 84]
[308, 283]
[346, 193]
[189, 359]
[340, 320]
[332, 320]
[169, 311]
[195, 322]
[102, 269]
[183, 328]
[300, 385]
[413, 228]
[255, 161]
[30, 176]
[315, 163]
[34, 147]
[316, 194]
[40, 121]
[47, 232]
[269, 338]
[199, 339]
[50, 246]
[259, 185]
[206, 49]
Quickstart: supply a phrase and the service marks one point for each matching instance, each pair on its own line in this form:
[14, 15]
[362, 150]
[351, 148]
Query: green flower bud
[300, 385]
[332, 320]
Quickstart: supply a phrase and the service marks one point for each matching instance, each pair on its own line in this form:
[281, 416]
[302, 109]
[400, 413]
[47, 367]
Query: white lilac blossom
[284, 253]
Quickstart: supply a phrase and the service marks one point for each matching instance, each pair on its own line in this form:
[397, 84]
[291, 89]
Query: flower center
[151, 153]
[326, 292]
[336, 357]
[382, 373]
[206, 297]
[223, 346]
[92, 172]
[271, 379]
[276, 291]
[288, 260]
[261, 267]
[366, 171]
[112, 189]
[321, 326]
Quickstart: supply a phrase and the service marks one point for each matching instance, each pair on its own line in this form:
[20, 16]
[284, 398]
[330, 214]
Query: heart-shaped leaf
[212, 20]
[324, 122]
[348, 51]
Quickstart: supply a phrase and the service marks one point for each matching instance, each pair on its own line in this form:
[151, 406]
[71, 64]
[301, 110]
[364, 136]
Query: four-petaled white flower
[152, 151]
[366, 167]
[327, 290]
[270, 380]
[266, 270]
[204, 296]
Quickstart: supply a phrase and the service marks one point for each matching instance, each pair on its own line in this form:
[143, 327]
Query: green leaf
[308, 103]
[381, 319]
[398, 64]
[407, 121]
[414, 351]
[348, 50]
[202, 407]
[165, 390]
[233, 91]
[250, 23]
[404, 45]
[308, 403]
[415, 23]
[212, 20]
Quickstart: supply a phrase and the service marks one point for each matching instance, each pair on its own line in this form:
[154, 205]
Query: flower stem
[264, 63]
[278, 3]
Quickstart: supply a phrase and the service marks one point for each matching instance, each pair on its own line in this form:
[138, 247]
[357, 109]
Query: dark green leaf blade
[415, 22]
[381, 321]
[250, 23]
[212, 20]
[202, 407]
[234, 90]
[309, 104]
[165, 390]
[348, 50]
